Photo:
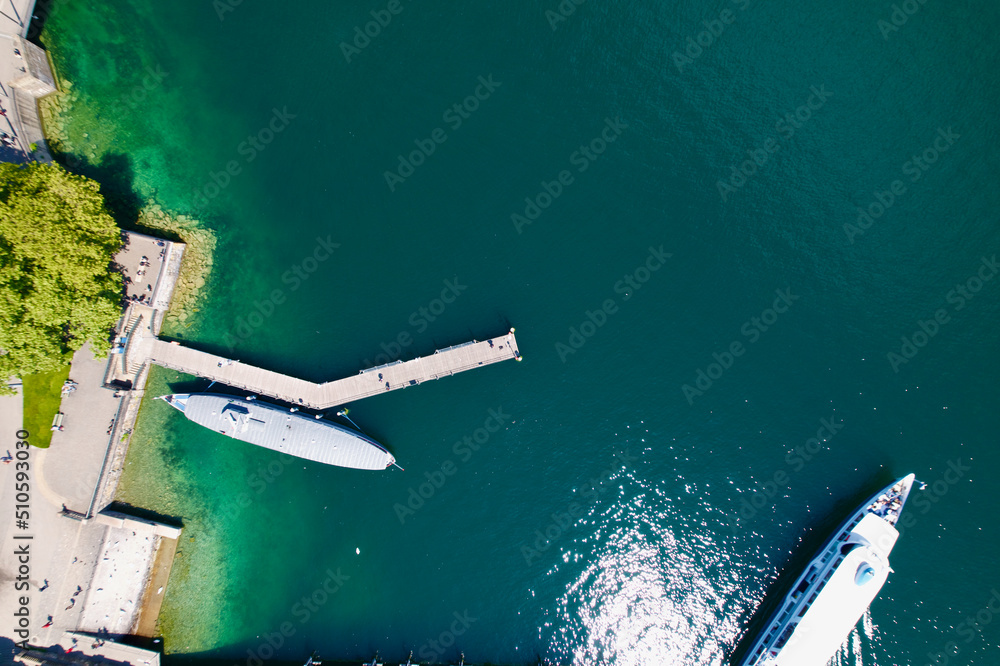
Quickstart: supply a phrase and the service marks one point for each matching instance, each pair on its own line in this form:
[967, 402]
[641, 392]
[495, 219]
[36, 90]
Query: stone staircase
[131, 362]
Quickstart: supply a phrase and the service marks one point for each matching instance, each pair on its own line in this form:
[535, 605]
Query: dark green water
[665, 526]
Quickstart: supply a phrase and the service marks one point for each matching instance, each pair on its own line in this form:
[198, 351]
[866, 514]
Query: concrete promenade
[24, 78]
[84, 575]
[15, 16]
[72, 463]
[390, 377]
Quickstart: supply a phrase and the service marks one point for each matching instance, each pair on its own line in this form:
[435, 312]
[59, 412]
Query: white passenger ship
[282, 430]
[832, 594]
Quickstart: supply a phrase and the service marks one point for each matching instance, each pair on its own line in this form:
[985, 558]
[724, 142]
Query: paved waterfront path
[15, 16]
[20, 117]
[74, 460]
[66, 554]
[373, 381]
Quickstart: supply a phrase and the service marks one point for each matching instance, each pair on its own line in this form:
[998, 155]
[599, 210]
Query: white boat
[283, 430]
[836, 588]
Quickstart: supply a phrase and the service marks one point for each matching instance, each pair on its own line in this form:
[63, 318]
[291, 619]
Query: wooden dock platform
[373, 381]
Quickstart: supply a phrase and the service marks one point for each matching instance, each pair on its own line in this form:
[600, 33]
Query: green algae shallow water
[677, 531]
[155, 477]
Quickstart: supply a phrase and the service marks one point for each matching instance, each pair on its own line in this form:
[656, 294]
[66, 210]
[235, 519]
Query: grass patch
[42, 395]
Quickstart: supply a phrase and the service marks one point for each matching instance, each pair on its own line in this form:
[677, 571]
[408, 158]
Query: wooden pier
[373, 381]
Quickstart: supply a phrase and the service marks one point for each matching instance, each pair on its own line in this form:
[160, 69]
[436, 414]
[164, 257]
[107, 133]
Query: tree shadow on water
[116, 177]
[39, 15]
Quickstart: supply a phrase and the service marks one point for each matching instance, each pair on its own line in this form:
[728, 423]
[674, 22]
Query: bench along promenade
[373, 381]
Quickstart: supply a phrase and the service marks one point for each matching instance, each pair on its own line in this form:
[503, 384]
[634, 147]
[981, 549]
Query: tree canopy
[57, 287]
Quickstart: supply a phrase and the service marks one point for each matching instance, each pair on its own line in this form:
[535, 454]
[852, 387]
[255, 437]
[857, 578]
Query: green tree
[57, 286]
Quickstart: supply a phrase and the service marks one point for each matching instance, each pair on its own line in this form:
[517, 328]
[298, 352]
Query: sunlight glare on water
[644, 595]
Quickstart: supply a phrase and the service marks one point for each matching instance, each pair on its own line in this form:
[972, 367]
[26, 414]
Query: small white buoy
[357, 550]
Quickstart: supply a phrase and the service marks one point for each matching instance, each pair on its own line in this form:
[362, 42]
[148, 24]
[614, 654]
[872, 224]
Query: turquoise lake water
[696, 288]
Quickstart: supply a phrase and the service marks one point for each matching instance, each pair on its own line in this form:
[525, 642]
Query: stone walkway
[74, 460]
[53, 575]
[85, 576]
[20, 110]
[10, 121]
[15, 16]
[119, 578]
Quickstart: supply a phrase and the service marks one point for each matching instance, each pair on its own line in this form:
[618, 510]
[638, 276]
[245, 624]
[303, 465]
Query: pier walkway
[373, 381]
